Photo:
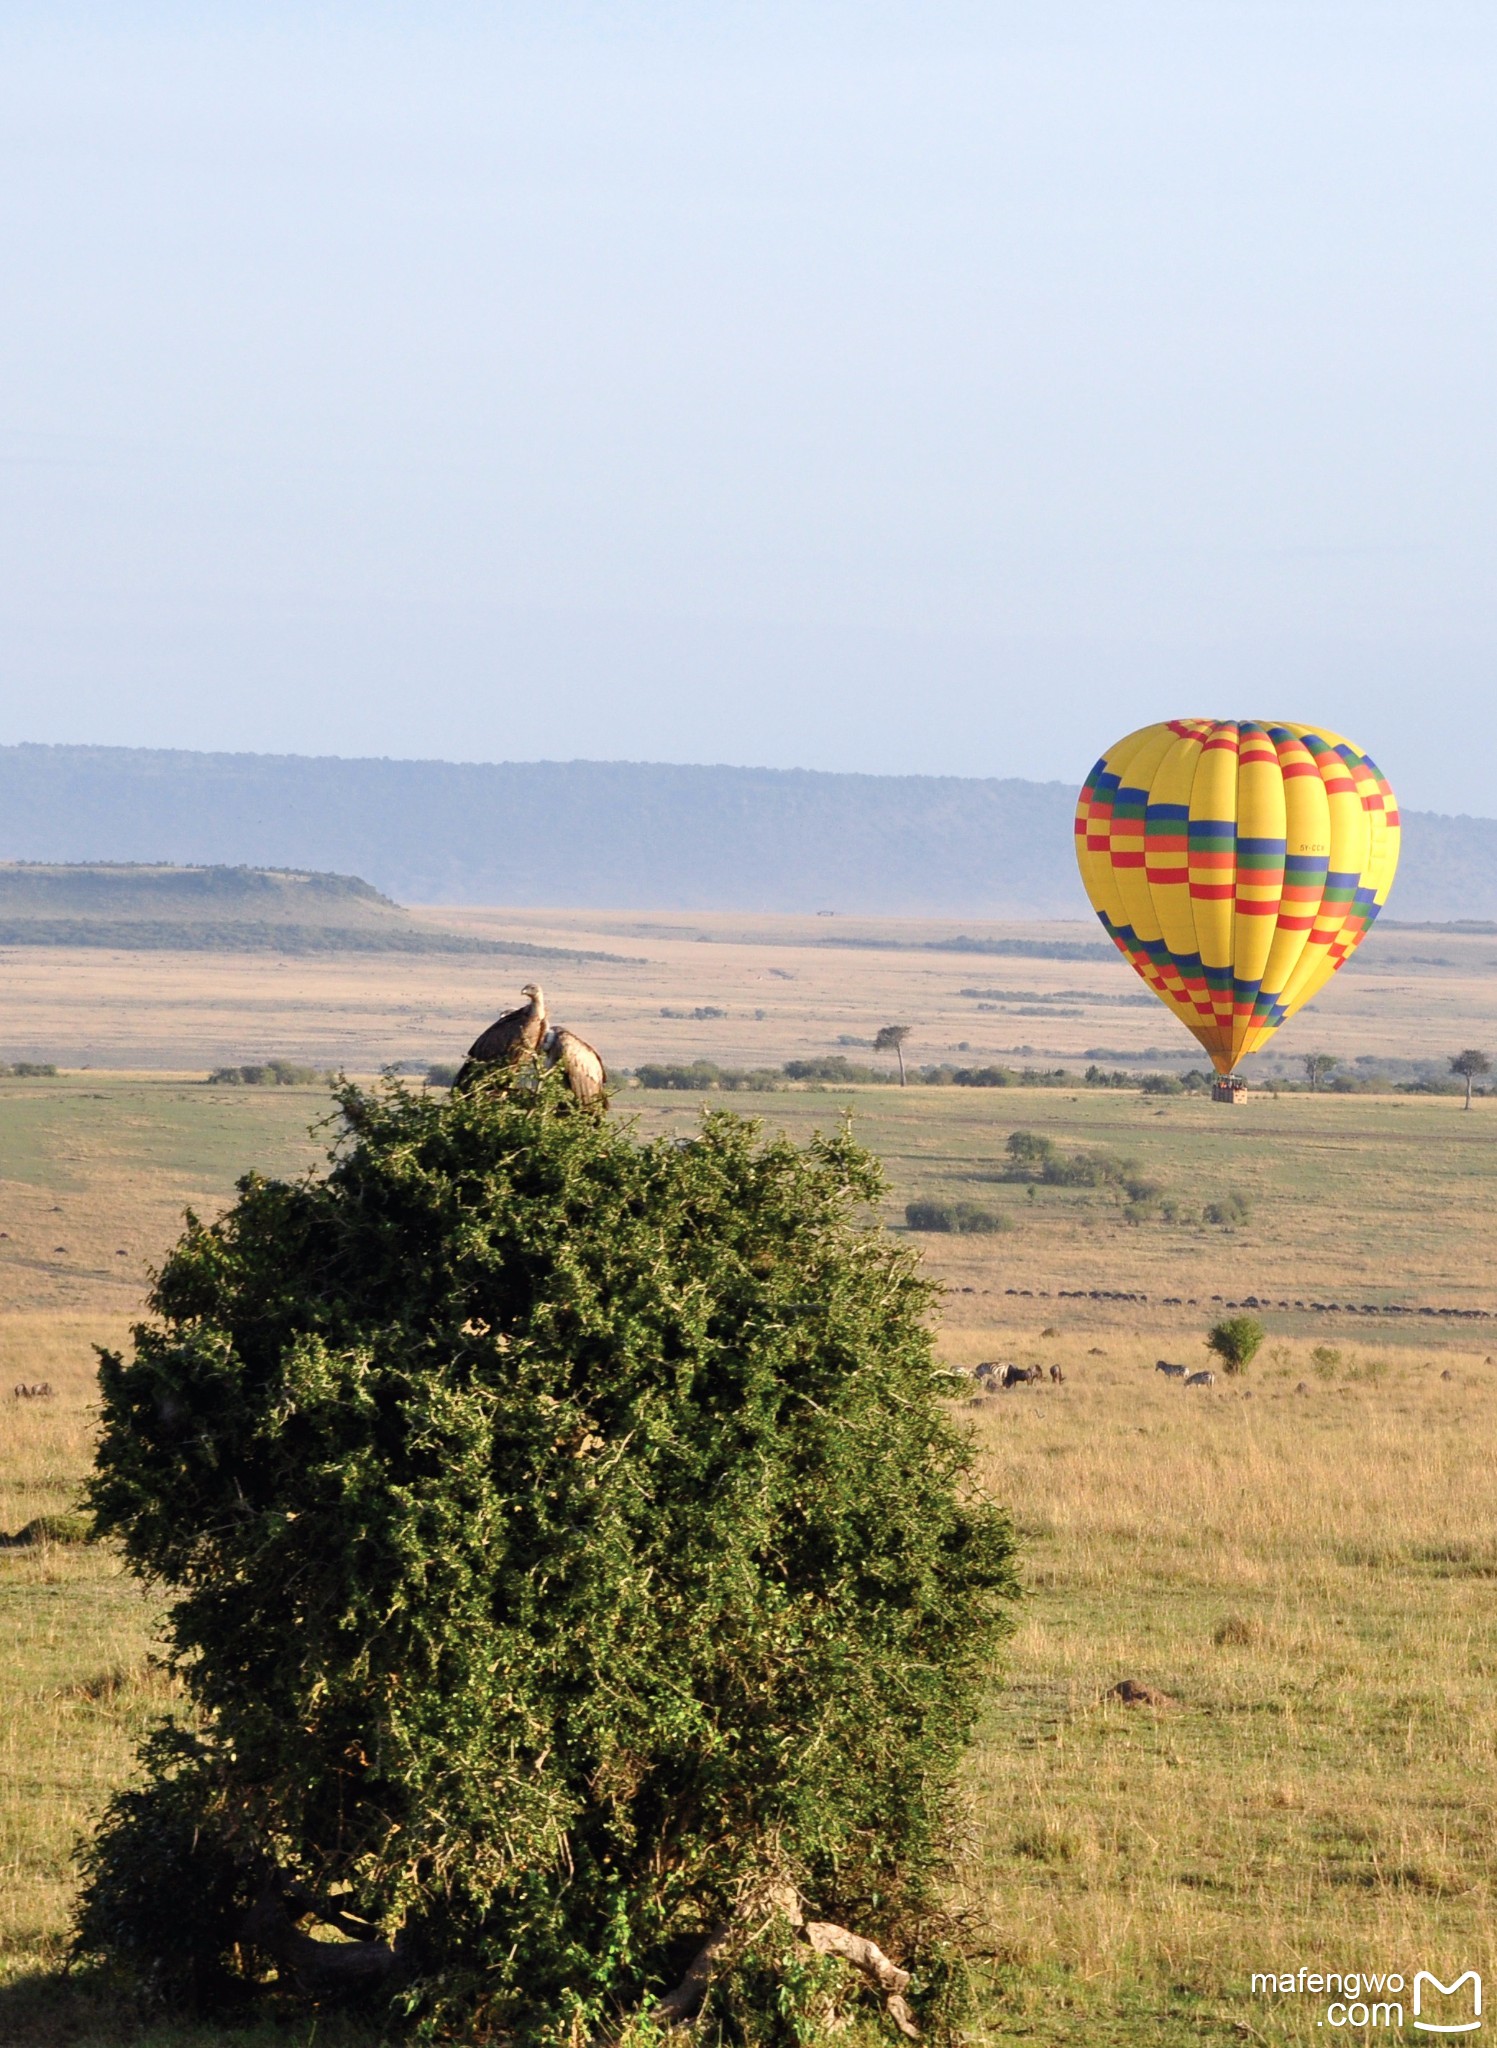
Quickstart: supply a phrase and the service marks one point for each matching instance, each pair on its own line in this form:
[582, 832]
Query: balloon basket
[1228, 1088]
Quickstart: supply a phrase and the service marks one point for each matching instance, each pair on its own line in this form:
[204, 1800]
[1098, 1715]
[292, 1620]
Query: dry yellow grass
[1309, 1577]
[76, 1684]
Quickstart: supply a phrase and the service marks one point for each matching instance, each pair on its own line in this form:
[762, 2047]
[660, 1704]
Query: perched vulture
[587, 1077]
[515, 1038]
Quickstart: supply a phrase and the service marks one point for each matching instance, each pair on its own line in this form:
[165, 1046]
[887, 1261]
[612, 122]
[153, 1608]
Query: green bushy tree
[1161, 1084]
[1236, 1341]
[1319, 1067]
[1028, 1148]
[567, 1543]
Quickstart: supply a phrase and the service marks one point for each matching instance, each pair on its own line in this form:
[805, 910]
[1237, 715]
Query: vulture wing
[511, 1037]
[507, 1042]
[587, 1077]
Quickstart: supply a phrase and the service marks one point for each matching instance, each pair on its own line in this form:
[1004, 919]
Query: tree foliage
[566, 1538]
[1469, 1064]
[967, 1218]
[1236, 1341]
[891, 1038]
[1319, 1066]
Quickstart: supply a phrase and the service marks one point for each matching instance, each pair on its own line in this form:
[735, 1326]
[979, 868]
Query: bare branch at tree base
[319, 1969]
[685, 2001]
[867, 1957]
[682, 2005]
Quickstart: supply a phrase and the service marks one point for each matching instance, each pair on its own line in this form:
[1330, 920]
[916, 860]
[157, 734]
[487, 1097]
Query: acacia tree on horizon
[891, 1038]
[1319, 1066]
[1468, 1065]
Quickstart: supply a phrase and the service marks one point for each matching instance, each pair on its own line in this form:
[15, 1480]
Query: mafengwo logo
[1446, 2008]
[1370, 2002]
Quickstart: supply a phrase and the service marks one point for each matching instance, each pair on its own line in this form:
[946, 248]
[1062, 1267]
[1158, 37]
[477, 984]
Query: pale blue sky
[918, 388]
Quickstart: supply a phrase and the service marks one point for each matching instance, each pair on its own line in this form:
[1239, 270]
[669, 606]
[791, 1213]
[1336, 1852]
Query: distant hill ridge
[617, 835]
[147, 906]
[153, 889]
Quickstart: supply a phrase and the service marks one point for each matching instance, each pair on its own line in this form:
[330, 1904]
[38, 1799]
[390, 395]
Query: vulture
[515, 1038]
[586, 1075]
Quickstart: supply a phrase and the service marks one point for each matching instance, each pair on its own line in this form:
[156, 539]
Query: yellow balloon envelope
[1236, 865]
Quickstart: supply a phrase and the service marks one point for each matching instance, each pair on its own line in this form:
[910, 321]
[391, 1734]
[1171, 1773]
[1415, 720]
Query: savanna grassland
[742, 990]
[1307, 1576]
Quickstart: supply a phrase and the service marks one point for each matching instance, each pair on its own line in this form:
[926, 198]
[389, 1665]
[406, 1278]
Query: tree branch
[319, 1969]
[685, 2001]
[683, 2004]
[867, 1957]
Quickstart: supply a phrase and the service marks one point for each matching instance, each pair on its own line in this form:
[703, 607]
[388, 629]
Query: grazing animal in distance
[586, 1075]
[1173, 1372]
[1057, 1375]
[1021, 1375]
[39, 1390]
[1200, 1379]
[509, 1041]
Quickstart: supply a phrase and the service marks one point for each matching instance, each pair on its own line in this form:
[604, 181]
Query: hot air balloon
[1236, 865]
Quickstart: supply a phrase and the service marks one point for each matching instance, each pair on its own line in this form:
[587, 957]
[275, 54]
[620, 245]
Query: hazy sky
[920, 388]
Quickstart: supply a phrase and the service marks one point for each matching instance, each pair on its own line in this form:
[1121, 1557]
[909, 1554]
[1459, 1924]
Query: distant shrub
[441, 1075]
[703, 1076]
[272, 1074]
[1161, 1084]
[1039, 1158]
[691, 1078]
[31, 1070]
[1013, 1077]
[1028, 1148]
[1228, 1211]
[1371, 1370]
[834, 1066]
[965, 1218]
[1092, 1169]
[1101, 1077]
[1235, 1340]
[1145, 1201]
